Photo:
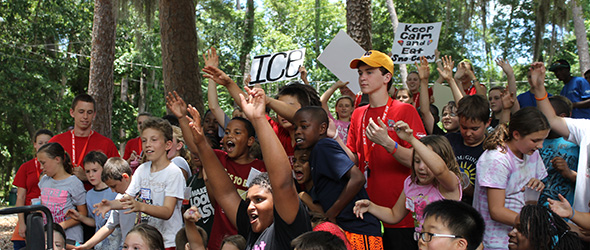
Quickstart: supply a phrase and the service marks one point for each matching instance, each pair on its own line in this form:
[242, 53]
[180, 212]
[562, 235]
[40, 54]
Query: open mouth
[298, 175]
[253, 218]
[230, 146]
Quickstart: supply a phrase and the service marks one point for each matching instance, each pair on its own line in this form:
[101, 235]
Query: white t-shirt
[152, 188]
[580, 134]
[121, 219]
[182, 164]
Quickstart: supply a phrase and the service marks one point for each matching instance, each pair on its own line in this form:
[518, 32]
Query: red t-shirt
[238, 173]
[284, 138]
[27, 177]
[97, 142]
[416, 97]
[132, 145]
[471, 90]
[386, 178]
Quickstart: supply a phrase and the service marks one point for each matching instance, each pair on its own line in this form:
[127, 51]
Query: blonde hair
[441, 146]
[177, 134]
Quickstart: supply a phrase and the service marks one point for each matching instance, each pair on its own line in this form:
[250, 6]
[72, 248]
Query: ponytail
[526, 121]
[54, 150]
[497, 138]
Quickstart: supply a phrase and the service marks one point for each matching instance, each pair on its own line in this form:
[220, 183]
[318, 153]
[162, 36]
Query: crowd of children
[384, 175]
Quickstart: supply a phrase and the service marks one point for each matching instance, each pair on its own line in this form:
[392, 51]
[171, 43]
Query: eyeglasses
[427, 237]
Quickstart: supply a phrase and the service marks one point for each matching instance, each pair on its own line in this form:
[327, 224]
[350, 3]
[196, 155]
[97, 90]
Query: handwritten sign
[414, 40]
[337, 56]
[276, 67]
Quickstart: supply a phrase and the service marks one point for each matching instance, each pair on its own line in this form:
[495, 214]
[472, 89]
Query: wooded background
[128, 54]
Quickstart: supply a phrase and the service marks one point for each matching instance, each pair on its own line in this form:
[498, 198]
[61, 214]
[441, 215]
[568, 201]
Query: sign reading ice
[413, 40]
[276, 67]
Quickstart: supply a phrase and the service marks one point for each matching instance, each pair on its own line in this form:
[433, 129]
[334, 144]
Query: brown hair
[474, 107]
[442, 147]
[526, 121]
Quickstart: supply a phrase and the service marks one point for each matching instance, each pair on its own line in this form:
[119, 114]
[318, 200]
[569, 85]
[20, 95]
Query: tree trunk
[180, 65]
[248, 41]
[124, 91]
[317, 28]
[100, 85]
[358, 22]
[403, 70]
[141, 106]
[581, 37]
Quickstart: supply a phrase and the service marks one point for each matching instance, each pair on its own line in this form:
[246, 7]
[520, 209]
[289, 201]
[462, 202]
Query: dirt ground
[7, 224]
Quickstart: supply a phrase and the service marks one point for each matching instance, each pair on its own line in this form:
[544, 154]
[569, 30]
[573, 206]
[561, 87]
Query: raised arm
[508, 103]
[537, 83]
[219, 77]
[178, 107]
[222, 189]
[424, 99]
[303, 75]
[511, 79]
[326, 95]
[286, 199]
[446, 72]
[448, 180]
[211, 59]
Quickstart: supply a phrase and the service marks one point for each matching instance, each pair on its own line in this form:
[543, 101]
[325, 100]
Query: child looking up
[60, 190]
[337, 182]
[434, 177]
[93, 165]
[116, 174]
[510, 164]
[343, 107]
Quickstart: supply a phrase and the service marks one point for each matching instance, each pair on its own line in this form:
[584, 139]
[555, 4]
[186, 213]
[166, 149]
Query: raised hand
[247, 80]
[508, 99]
[423, 68]
[176, 105]
[195, 124]
[447, 71]
[461, 70]
[505, 65]
[403, 131]
[340, 84]
[303, 72]
[361, 207]
[537, 70]
[561, 207]
[211, 58]
[378, 133]
[254, 104]
[192, 214]
[217, 75]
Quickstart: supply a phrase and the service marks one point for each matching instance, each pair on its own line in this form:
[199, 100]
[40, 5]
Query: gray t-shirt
[59, 197]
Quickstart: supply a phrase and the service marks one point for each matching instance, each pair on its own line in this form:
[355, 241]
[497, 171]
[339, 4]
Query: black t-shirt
[200, 198]
[329, 163]
[278, 235]
[466, 158]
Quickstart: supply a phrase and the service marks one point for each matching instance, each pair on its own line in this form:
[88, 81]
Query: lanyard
[76, 164]
[366, 148]
[37, 167]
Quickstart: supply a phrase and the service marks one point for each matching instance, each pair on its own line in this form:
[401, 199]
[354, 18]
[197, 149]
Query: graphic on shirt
[467, 166]
[55, 200]
[259, 246]
[200, 199]
[417, 205]
[145, 196]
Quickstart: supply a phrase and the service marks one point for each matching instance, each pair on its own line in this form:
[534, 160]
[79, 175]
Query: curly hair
[546, 230]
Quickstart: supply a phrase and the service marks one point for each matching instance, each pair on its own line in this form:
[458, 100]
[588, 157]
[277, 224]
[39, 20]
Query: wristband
[573, 213]
[394, 149]
[542, 98]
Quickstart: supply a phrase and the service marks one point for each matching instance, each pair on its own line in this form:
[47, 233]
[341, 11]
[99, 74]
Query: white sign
[337, 56]
[276, 67]
[415, 40]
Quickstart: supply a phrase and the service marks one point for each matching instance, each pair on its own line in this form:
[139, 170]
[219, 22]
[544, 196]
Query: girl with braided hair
[537, 227]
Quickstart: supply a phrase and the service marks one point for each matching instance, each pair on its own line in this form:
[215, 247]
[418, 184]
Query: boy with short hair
[93, 165]
[450, 224]
[384, 173]
[474, 118]
[337, 182]
[116, 174]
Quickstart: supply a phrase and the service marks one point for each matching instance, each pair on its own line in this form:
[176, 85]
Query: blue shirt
[527, 99]
[577, 90]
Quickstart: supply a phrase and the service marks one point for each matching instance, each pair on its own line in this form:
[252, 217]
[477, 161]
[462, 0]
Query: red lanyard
[367, 150]
[37, 167]
[76, 164]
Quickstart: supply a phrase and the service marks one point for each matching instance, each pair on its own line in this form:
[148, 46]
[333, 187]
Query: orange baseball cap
[374, 59]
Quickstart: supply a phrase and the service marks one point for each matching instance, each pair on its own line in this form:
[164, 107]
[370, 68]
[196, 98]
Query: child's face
[517, 240]
[530, 143]
[176, 146]
[472, 131]
[118, 186]
[308, 131]
[210, 124]
[135, 241]
[372, 80]
[413, 81]
[291, 100]
[236, 141]
[402, 96]
[59, 242]
[83, 114]
[50, 166]
[260, 209]
[237, 113]
[344, 108]
[93, 171]
[41, 140]
[436, 226]
[423, 174]
[450, 120]
[301, 166]
[154, 144]
[495, 99]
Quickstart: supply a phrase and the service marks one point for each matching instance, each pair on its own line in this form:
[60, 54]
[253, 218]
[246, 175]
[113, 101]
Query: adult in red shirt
[82, 139]
[384, 174]
[27, 182]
